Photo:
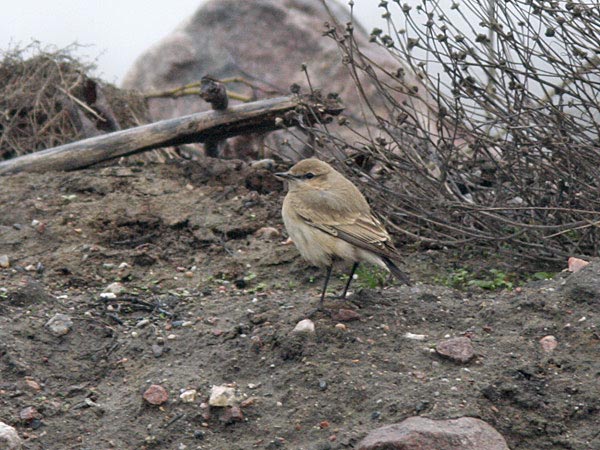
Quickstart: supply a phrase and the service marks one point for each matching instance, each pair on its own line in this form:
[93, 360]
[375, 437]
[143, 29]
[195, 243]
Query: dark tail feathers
[404, 278]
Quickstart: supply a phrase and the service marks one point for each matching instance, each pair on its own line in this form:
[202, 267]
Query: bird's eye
[309, 175]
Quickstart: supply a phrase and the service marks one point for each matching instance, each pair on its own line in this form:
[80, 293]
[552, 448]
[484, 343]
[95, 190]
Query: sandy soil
[208, 302]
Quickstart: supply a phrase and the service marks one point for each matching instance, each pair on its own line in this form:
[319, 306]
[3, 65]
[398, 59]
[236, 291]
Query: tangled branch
[499, 145]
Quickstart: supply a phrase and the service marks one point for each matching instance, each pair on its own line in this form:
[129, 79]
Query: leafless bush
[508, 157]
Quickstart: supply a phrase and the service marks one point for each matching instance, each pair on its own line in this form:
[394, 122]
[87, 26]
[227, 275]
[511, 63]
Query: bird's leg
[320, 307]
[354, 267]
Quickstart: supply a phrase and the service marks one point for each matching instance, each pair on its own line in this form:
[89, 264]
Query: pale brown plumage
[328, 218]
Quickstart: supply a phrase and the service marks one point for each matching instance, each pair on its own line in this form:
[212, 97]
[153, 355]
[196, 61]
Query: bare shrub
[508, 157]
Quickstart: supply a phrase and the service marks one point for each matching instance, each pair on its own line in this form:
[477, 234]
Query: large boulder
[420, 433]
[265, 42]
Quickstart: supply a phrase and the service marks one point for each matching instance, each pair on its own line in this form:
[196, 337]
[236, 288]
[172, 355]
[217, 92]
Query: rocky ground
[127, 293]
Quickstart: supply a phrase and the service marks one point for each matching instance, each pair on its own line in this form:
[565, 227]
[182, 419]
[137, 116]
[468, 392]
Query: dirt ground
[208, 302]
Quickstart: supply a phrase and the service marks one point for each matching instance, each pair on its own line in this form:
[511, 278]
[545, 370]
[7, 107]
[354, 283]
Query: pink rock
[576, 264]
[419, 433]
[345, 315]
[548, 343]
[33, 385]
[156, 395]
[457, 349]
[29, 413]
[232, 414]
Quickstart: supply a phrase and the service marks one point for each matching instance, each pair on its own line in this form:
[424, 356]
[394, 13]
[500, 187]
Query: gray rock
[9, 438]
[265, 42]
[457, 349]
[584, 285]
[419, 433]
[59, 325]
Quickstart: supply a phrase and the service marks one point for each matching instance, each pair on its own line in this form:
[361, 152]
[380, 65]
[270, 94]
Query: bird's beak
[283, 175]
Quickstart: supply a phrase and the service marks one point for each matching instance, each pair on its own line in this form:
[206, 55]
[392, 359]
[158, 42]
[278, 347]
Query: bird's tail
[393, 268]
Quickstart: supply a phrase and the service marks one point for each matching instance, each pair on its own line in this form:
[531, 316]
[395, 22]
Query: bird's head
[309, 174]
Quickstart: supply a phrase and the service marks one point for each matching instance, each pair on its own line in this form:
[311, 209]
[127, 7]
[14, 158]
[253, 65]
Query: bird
[329, 219]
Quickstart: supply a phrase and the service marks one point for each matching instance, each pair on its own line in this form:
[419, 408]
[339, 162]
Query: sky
[112, 32]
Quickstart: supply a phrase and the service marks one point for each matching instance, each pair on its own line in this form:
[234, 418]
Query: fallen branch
[256, 117]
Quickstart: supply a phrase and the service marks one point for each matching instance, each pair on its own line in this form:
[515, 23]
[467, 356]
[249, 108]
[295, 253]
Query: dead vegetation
[48, 98]
[507, 158]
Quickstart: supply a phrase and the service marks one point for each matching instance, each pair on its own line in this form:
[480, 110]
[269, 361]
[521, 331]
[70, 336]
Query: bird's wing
[355, 227]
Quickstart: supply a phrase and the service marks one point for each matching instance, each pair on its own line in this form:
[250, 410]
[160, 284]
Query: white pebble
[222, 396]
[415, 337]
[188, 396]
[304, 326]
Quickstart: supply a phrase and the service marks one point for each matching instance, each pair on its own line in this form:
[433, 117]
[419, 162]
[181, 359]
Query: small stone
[29, 268]
[457, 349]
[465, 433]
[256, 343]
[188, 396]
[108, 295]
[232, 415]
[199, 435]
[341, 327]
[156, 395]
[4, 262]
[576, 264]
[322, 385]
[59, 325]
[304, 326]
[157, 350]
[548, 343]
[33, 385]
[28, 414]
[415, 337]
[248, 402]
[345, 315]
[222, 396]
[9, 438]
[142, 323]
[269, 233]
[116, 288]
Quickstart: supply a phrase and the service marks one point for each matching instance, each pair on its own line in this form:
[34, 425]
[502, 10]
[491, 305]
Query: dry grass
[48, 98]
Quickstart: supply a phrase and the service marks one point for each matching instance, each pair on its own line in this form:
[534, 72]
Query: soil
[209, 300]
